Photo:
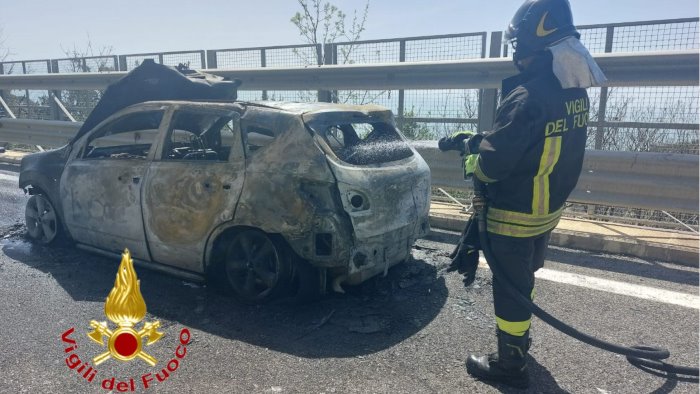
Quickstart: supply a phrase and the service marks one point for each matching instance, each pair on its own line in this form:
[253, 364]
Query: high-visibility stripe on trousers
[518, 259]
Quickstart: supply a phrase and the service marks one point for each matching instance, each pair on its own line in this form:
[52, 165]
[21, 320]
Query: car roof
[313, 107]
[296, 108]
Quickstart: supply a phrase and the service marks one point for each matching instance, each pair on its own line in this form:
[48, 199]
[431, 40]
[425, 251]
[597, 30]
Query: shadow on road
[9, 167]
[374, 316]
[541, 381]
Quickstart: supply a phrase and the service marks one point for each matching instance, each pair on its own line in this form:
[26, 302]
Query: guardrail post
[326, 96]
[122, 63]
[488, 98]
[263, 63]
[55, 111]
[211, 59]
[202, 59]
[402, 59]
[26, 95]
[603, 105]
[116, 62]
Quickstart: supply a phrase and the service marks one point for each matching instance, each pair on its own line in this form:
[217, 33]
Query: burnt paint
[102, 203]
[183, 203]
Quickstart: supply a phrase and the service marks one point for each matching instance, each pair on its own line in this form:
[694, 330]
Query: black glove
[465, 257]
[455, 141]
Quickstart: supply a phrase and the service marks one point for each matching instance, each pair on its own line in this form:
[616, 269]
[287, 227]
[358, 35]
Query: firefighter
[530, 162]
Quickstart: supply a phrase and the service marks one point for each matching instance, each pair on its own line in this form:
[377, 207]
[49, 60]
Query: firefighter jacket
[532, 159]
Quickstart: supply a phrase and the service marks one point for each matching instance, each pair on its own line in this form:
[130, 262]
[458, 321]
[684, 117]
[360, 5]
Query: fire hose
[647, 358]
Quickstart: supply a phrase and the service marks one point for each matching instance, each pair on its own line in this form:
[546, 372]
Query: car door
[193, 184]
[101, 184]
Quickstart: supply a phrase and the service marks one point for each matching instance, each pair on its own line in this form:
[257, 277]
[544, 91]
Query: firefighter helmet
[538, 24]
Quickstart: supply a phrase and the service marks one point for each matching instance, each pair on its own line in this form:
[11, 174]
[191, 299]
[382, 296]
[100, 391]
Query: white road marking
[615, 287]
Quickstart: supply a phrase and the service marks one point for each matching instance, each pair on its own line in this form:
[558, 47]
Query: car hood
[150, 82]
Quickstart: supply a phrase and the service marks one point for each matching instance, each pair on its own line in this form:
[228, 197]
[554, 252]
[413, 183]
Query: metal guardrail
[678, 68]
[659, 181]
[37, 132]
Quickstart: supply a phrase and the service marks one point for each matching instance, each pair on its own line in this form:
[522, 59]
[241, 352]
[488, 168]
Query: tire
[257, 268]
[42, 221]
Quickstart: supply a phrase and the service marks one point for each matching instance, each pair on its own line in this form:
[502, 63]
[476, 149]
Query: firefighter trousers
[518, 259]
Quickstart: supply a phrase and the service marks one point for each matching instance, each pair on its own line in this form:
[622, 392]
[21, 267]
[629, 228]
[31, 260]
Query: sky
[44, 29]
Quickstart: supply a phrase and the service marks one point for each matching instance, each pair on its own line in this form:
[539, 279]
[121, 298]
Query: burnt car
[271, 197]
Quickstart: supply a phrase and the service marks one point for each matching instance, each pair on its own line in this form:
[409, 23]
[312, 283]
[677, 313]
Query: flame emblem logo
[125, 307]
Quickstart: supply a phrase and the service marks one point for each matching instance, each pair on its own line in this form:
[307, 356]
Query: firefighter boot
[508, 365]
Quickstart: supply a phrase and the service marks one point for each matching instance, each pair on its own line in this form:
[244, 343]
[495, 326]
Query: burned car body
[271, 196]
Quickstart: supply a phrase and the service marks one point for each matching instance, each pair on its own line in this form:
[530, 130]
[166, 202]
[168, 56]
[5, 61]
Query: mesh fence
[91, 64]
[250, 95]
[292, 95]
[675, 104]
[29, 104]
[594, 39]
[291, 57]
[666, 36]
[449, 48]
[649, 114]
[130, 62]
[238, 59]
[442, 103]
[368, 53]
[463, 46]
[386, 98]
[194, 60]
[80, 102]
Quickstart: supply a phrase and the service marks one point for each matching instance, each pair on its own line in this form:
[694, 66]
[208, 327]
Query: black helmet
[538, 24]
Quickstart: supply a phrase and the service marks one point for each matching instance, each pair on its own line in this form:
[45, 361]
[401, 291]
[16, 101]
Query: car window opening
[201, 137]
[128, 137]
[366, 143]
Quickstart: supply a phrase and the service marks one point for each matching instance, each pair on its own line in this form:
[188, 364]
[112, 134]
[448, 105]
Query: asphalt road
[408, 332]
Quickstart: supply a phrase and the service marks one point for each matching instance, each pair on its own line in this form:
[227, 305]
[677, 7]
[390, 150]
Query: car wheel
[257, 268]
[42, 221]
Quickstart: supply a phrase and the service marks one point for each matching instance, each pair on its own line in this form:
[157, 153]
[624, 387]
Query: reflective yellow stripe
[519, 231]
[525, 219]
[540, 184]
[480, 174]
[515, 328]
[532, 294]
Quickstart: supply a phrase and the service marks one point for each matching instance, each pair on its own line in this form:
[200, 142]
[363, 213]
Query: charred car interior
[271, 198]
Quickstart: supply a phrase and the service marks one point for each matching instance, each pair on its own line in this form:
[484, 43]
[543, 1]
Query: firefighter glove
[455, 141]
[465, 257]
